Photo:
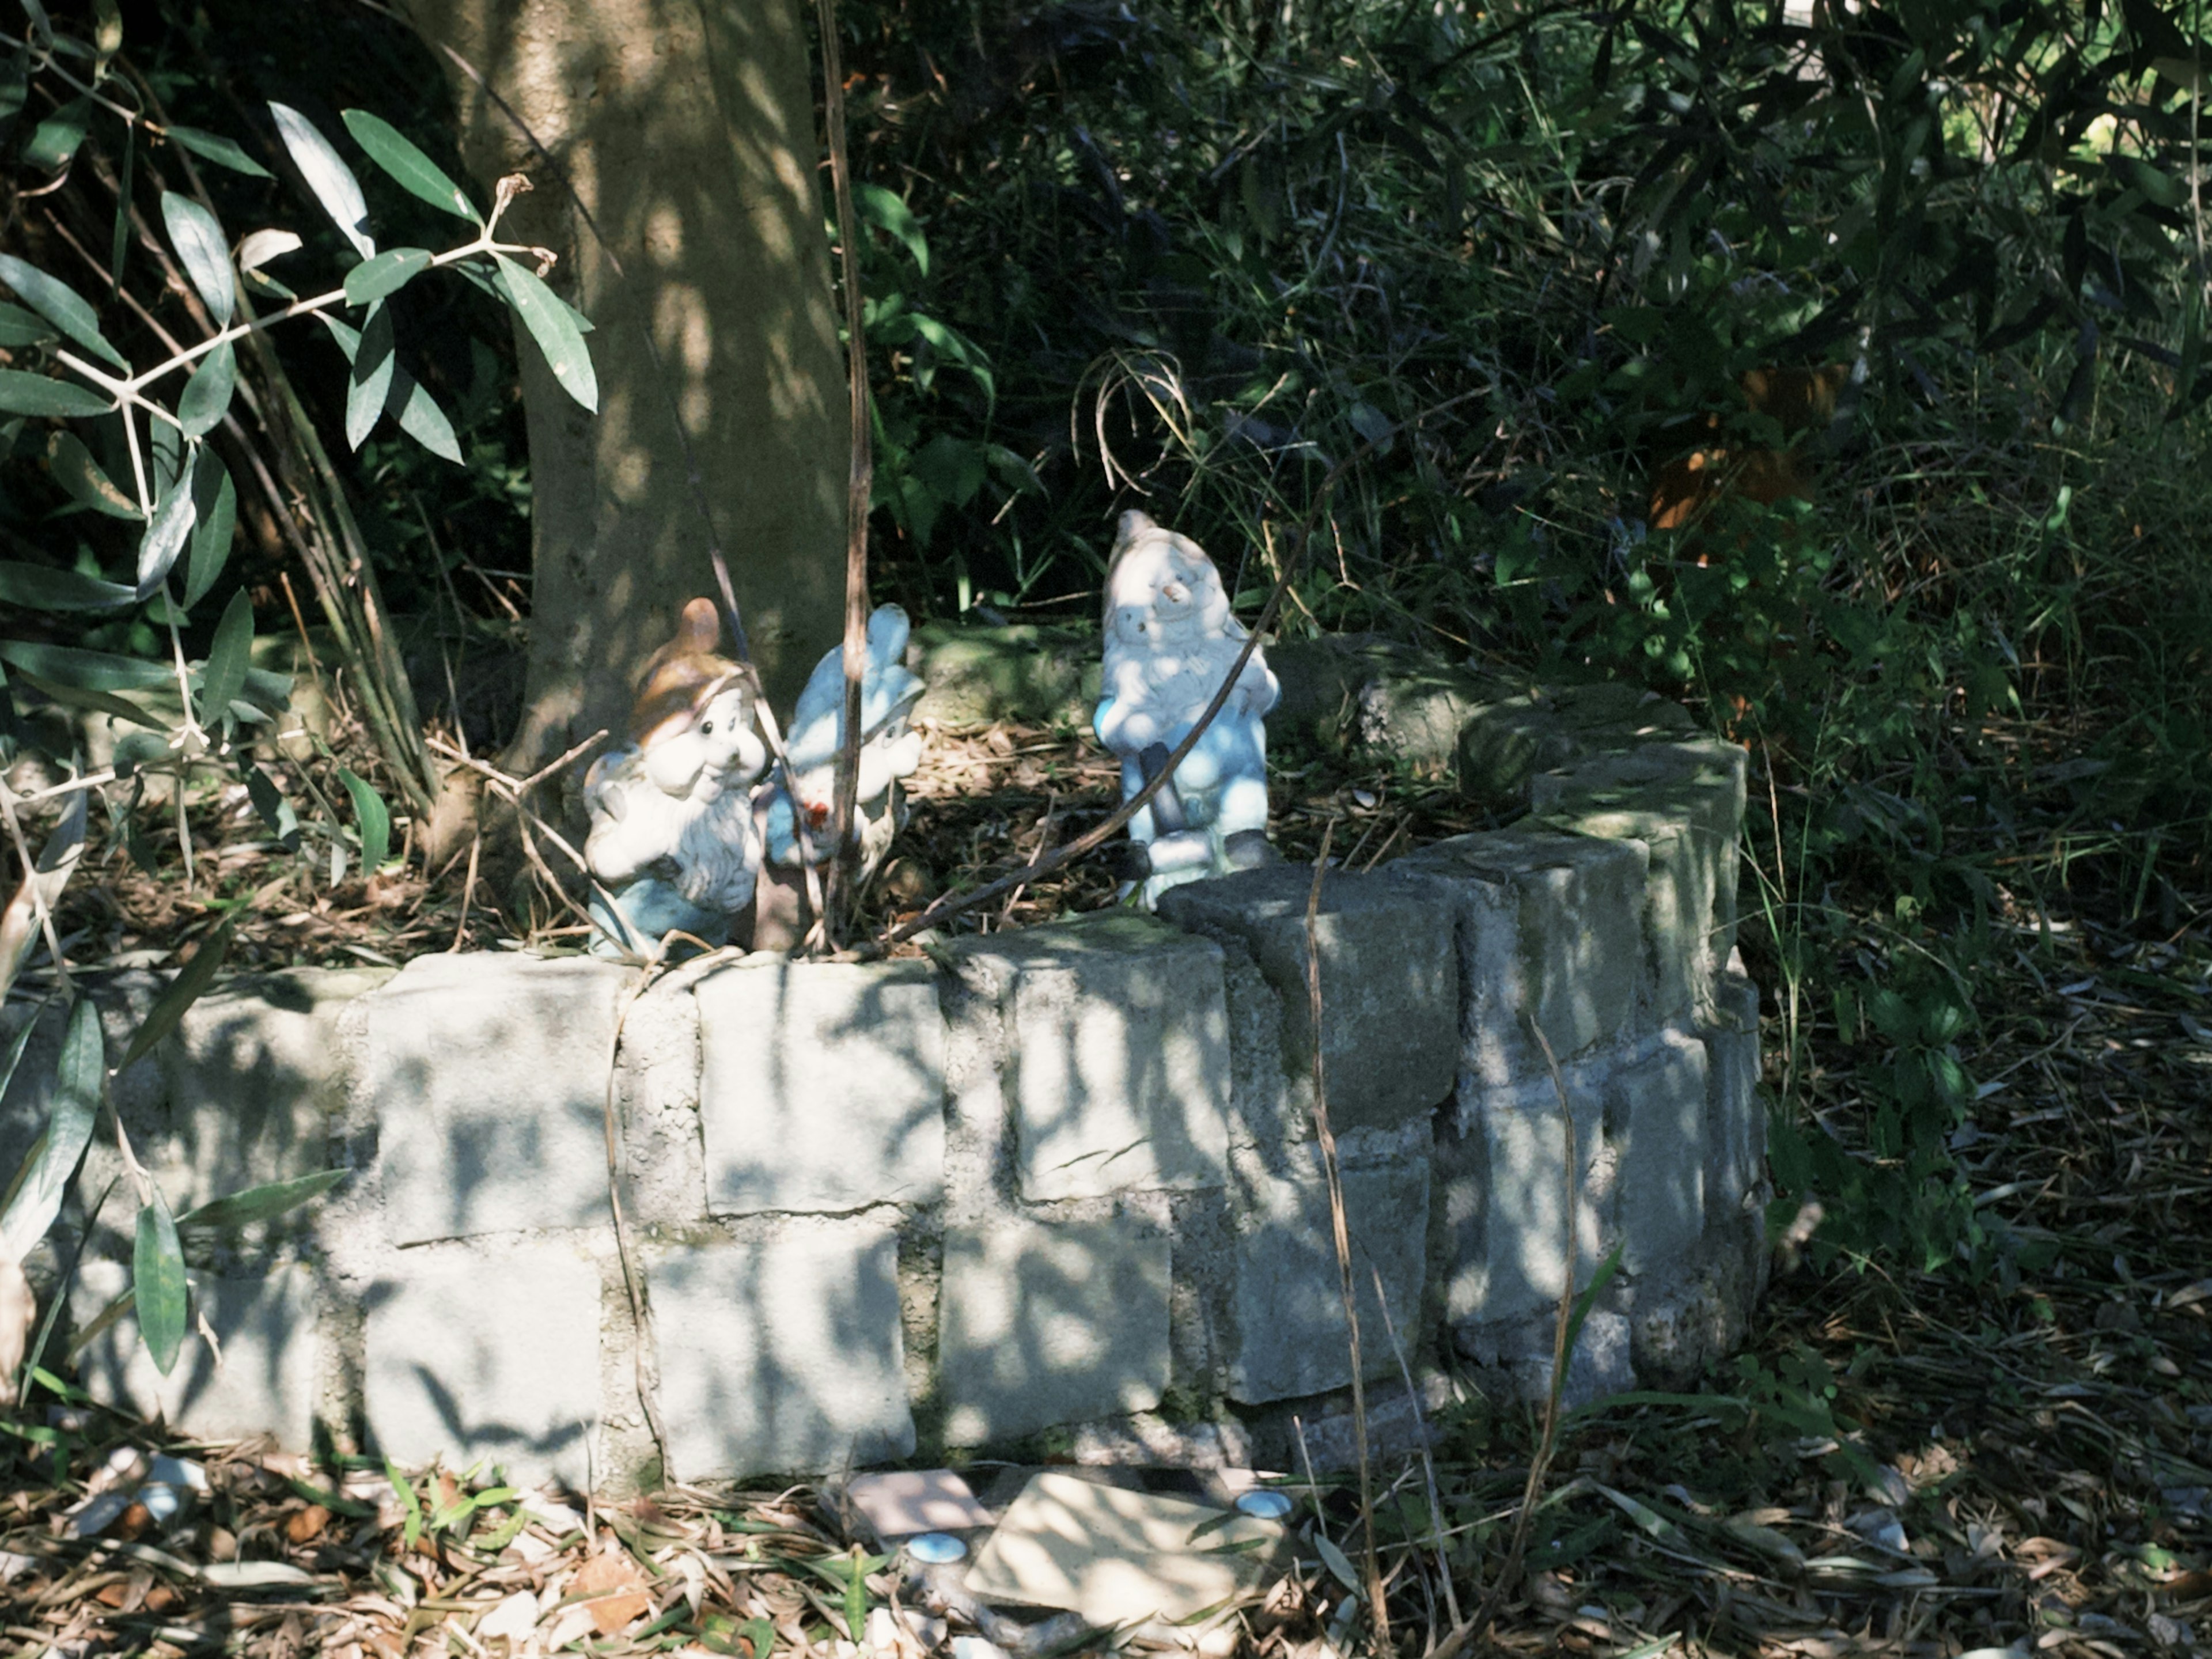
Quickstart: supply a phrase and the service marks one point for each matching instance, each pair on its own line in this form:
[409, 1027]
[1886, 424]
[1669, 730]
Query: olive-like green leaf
[259, 1203]
[887, 211]
[327, 175]
[406, 401]
[206, 397]
[261, 247]
[169, 1008]
[157, 1282]
[213, 147]
[75, 470]
[555, 330]
[227, 660]
[37, 394]
[36, 1197]
[205, 251]
[386, 273]
[60, 305]
[55, 140]
[97, 702]
[119, 239]
[165, 537]
[214, 512]
[410, 168]
[369, 382]
[19, 327]
[68, 666]
[37, 587]
[274, 809]
[374, 819]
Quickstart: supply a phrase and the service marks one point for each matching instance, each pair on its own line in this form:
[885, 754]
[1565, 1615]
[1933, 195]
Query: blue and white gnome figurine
[672, 835]
[889, 749]
[1170, 641]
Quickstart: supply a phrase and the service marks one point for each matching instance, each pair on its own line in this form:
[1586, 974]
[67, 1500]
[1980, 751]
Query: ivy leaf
[411, 169]
[553, 326]
[206, 397]
[60, 305]
[201, 244]
[213, 147]
[327, 175]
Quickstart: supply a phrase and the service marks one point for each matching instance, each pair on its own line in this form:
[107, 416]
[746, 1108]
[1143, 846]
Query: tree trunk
[686, 129]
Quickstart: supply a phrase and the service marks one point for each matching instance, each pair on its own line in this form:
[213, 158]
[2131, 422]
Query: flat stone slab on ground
[473, 1354]
[783, 1355]
[266, 1382]
[1287, 1301]
[821, 1087]
[1120, 1063]
[1389, 981]
[1048, 1322]
[487, 1075]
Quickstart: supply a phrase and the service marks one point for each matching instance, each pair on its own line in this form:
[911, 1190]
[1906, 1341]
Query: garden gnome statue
[672, 835]
[1170, 641]
[888, 750]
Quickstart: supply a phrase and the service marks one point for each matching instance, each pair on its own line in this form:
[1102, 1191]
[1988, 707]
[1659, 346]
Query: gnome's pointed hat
[685, 675]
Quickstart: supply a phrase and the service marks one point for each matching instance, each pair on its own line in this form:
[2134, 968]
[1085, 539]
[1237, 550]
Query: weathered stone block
[1286, 1300]
[1549, 928]
[1390, 982]
[1685, 801]
[1735, 1120]
[783, 1355]
[1046, 1322]
[1507, 741]
[255, 1071]
[1655, 1119]
[1506, 1179]
[657, 1092]
[1118, 1067]
[473, 1354]
[487, 1075]
[977, 675]
[1519, 1352]
[266, 1383]
[821, 1085]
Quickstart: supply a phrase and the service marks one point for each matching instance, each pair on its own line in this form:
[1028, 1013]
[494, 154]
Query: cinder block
[1519, 1352]
[1549, 929]
[1685, 801]
[266, 1383]
[1389, 981]
[255, 1071]
[471, 1354]
[782, 1356]
[1507, 1180]
[1655, 1118]
[1046, 1323]
[1287, 1301]
[1119, 1064]
[1735, 1121]
[487, 1075]
[821, 1085]
[1506, 743]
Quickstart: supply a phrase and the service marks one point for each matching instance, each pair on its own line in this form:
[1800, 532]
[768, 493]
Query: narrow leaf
[206, 397]
[274, 809]
[165, 538]
[327, 175]
[118, 240]
[42, 886]
[75, 470]
[90, 670]
[19, 327]
[60, 305]
[409, 166]
[54, 141]
[205, 251]
[183, 991]
[375, 821]
[370, 380]
[98, 702]
[553, 328]
[263, 246]
[37, 394]
[214, 511]
[213, 147]
[420, 417]
[259, 1203]
[157, 1280]
[36, 587]
[386, 273]
[224, 677]
[52, 1161]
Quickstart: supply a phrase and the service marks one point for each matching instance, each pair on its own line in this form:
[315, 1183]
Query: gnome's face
[1164, 591]
[712, 744]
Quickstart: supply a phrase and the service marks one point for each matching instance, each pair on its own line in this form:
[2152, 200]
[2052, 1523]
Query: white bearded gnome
[673, 833]
[1170, 641]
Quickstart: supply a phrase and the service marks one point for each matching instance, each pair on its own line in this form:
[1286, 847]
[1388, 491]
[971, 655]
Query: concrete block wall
[1062, 1182]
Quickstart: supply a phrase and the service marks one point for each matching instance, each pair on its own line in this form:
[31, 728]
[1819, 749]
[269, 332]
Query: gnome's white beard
[703, 842]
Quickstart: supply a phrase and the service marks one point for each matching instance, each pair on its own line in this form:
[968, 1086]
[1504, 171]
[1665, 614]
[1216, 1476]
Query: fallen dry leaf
[611, 1587]
[306, 1525]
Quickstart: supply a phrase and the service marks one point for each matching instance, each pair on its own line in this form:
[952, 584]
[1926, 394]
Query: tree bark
[686, 130]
